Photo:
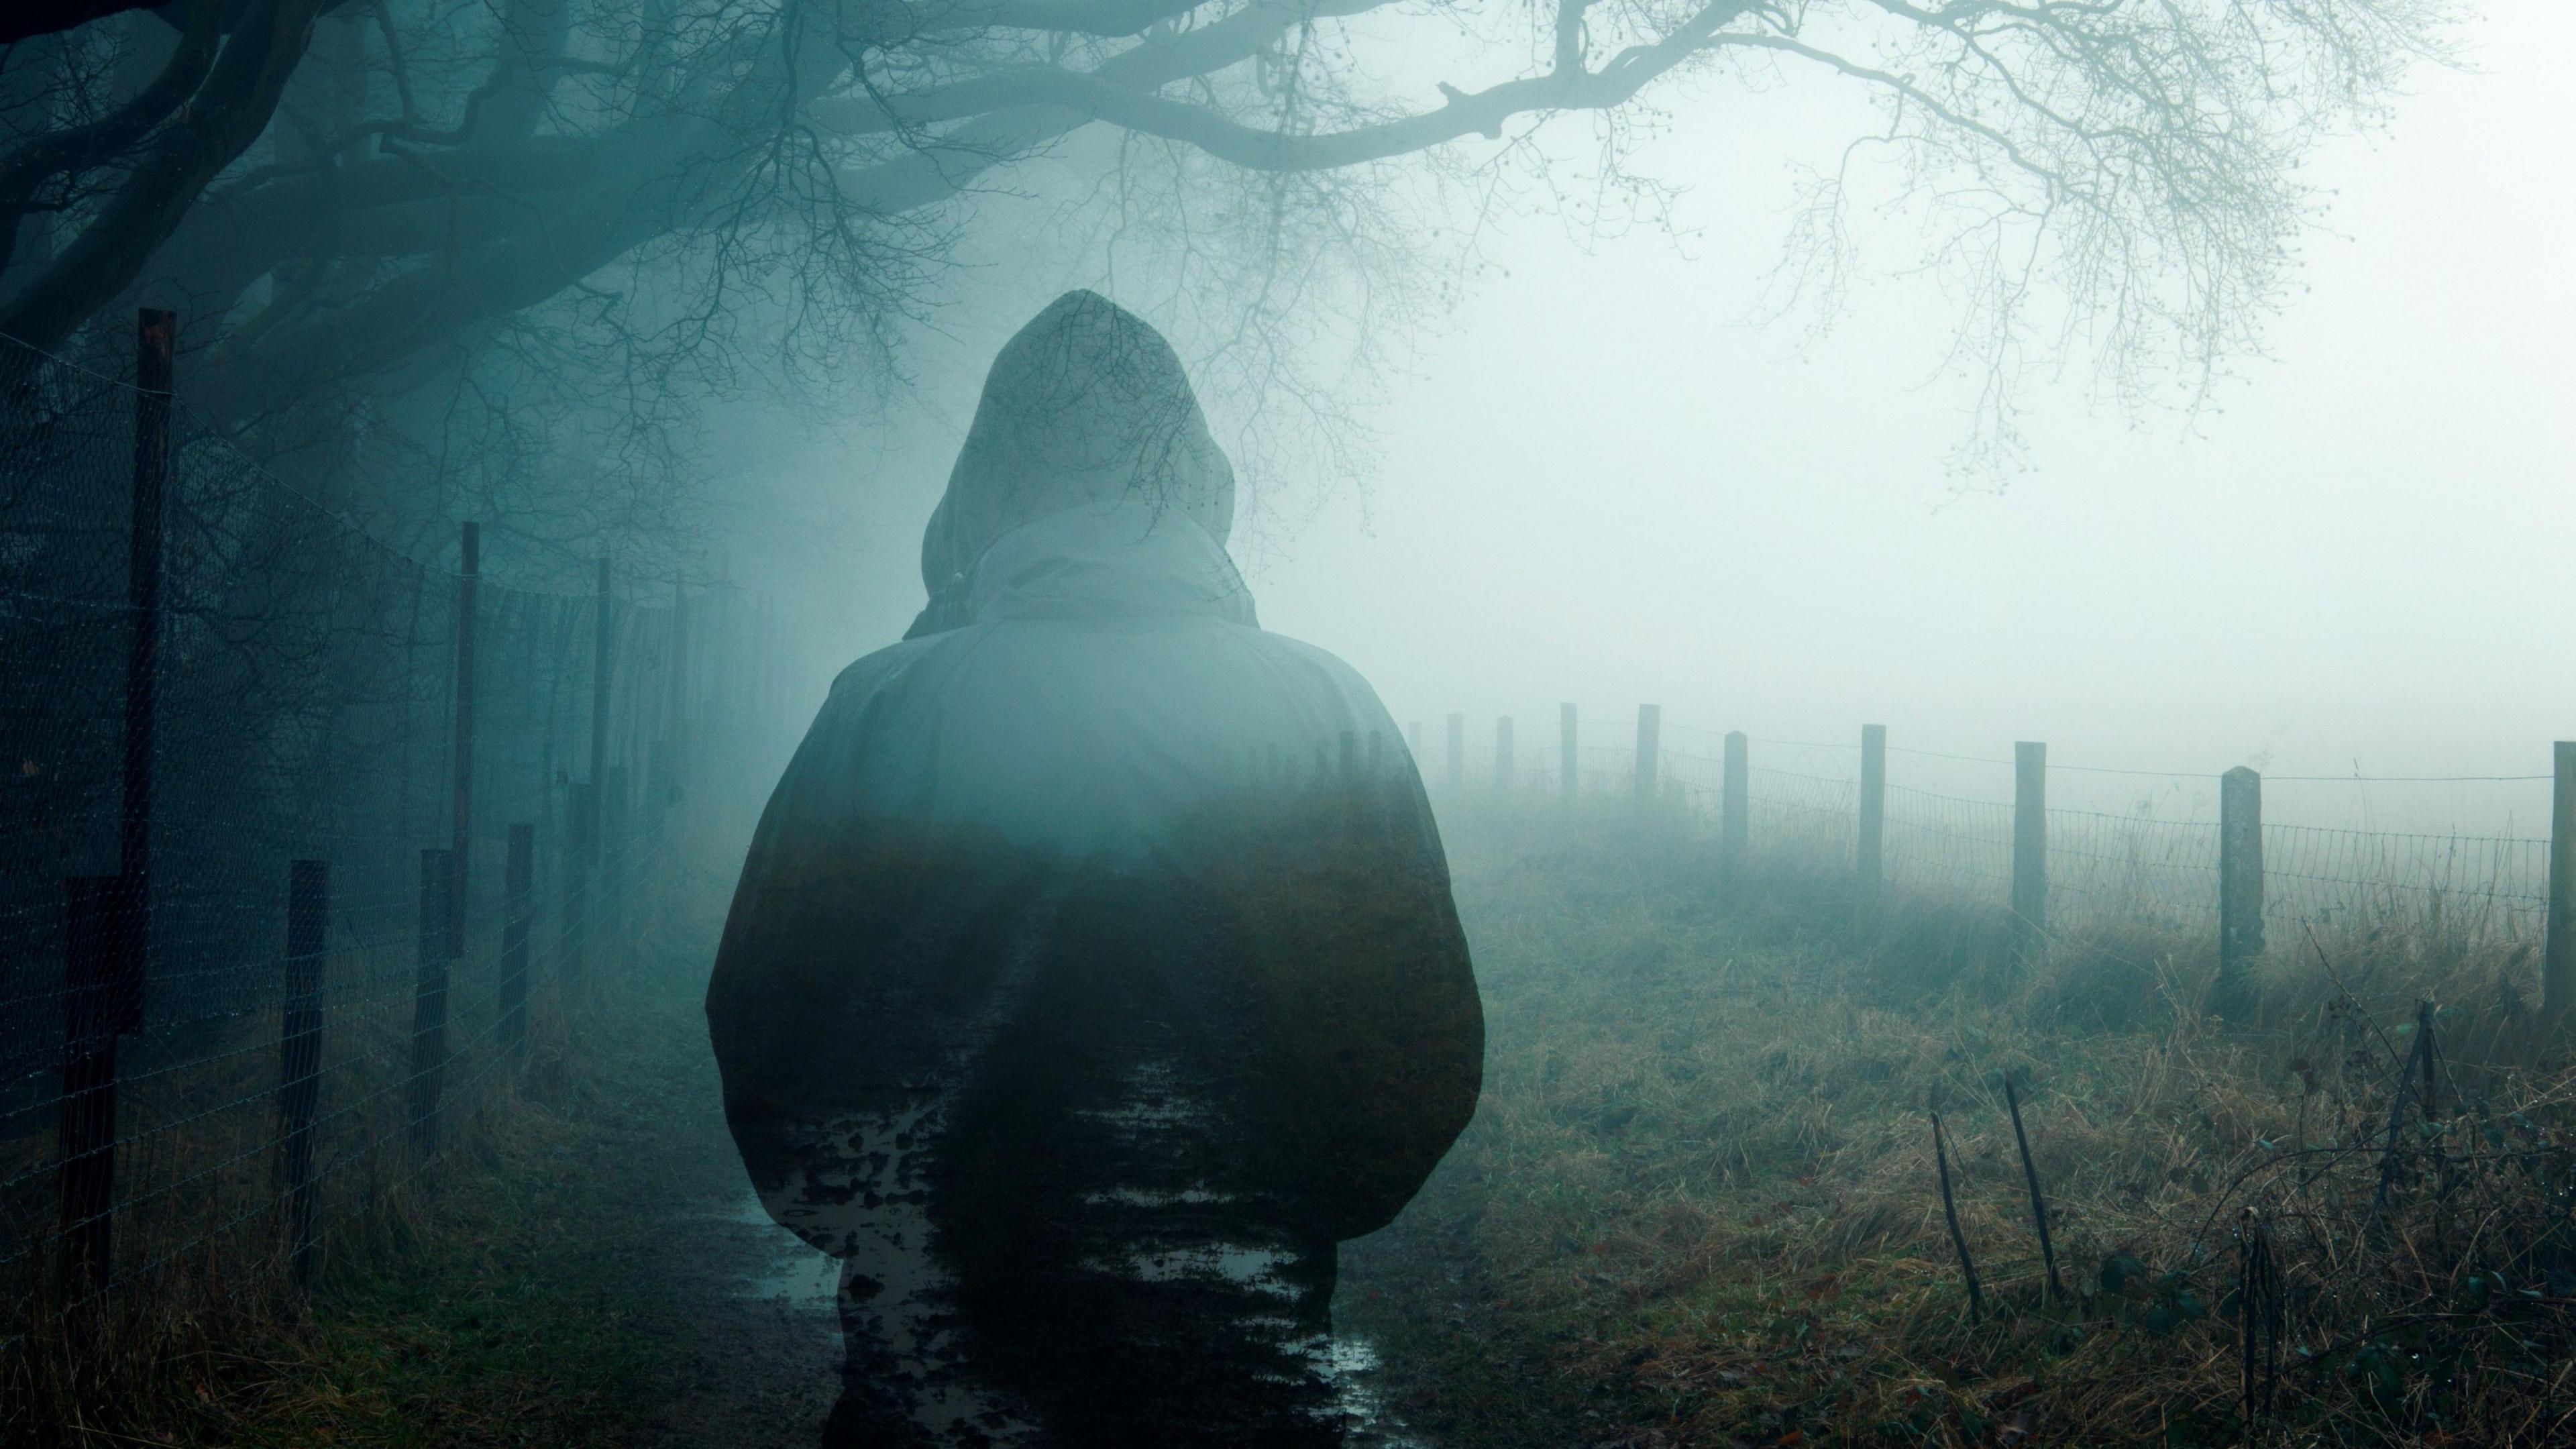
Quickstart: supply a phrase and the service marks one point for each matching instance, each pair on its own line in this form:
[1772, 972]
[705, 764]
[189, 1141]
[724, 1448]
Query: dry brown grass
[202, 1339]
[1699, 1205]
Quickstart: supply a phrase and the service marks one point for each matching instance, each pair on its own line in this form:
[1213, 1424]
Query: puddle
[803, 1277]
[1351, 1365]
[788, 1269]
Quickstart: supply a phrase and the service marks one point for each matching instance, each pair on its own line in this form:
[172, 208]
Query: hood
[1104, 561]
[1086, 405]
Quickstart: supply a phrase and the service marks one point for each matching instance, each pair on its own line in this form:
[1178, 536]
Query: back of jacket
[1093, 847]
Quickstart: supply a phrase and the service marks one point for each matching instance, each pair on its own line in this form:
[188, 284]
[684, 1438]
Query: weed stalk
[2038, 1203]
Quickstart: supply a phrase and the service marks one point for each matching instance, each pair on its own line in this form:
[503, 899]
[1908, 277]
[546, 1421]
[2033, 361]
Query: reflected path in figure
[1093, 974]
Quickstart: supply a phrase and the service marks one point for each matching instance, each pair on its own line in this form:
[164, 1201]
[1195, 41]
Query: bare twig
[2038, 1203]
[1958, 1239]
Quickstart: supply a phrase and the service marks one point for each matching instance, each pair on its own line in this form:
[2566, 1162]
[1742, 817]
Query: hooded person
[1094, 970]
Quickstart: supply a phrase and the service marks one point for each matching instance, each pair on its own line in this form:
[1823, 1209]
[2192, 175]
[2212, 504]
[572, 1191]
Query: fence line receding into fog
[295, 831]
[2059, 870]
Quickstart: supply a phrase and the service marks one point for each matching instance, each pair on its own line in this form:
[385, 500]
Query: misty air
[1140, 724]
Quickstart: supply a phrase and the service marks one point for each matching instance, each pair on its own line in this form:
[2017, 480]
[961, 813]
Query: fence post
[299, 1055]
[575, 965]
[2558, 961]
[659, 792]
[155, 336]
[519, 884]
[2240, 890]
[1870, 868]
[107, 933]
[1503, 753]
[615, 890]
[676, 730]
[1735, 808]
[603, 640]
[1568, 769]
[2030, 851]
[1457, 750]
[429, 1000]
[102, 998]
[468, 575]
[1650, 734]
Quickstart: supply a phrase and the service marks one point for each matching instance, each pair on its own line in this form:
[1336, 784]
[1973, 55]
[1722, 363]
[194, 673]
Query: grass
[1698, 1204]
[493, 1300]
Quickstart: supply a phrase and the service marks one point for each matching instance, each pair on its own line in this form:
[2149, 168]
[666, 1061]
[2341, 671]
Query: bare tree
[372, 193]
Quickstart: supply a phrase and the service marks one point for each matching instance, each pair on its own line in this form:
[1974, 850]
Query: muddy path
[739, 1312]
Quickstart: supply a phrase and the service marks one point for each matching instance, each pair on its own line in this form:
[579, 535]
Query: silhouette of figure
[1094, 970]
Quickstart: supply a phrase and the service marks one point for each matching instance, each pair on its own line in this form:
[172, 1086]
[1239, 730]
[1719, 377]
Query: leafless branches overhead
[337, 192]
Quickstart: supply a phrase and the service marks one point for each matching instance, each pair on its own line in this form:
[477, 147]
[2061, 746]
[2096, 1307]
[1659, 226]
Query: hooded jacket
[1088, 800]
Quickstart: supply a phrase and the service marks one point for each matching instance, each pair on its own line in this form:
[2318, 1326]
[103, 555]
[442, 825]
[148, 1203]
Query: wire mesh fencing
[291, 824]
[2095, 869]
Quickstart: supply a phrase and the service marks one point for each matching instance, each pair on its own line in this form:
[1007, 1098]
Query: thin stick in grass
[1958, 1240]
[2261, 1318]
[2388, 1159]
[2038, 1203]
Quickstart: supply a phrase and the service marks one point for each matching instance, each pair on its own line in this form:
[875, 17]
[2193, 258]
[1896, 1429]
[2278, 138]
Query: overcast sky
[1596, 483]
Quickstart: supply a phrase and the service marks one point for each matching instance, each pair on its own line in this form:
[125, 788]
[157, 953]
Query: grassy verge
[1699, 1203]
[498, 1299]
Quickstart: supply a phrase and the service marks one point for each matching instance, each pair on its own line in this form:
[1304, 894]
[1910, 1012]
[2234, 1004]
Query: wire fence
[2100, 869]
[307, 693]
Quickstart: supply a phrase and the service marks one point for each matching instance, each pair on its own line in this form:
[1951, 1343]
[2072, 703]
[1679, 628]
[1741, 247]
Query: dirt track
[751, 1349]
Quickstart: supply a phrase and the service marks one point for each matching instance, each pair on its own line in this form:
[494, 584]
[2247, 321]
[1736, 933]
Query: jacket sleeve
[1369, 1033]
[858, 955]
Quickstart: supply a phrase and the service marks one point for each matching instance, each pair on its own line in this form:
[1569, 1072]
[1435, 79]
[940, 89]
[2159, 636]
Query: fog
[449, 453]
[1608, 475]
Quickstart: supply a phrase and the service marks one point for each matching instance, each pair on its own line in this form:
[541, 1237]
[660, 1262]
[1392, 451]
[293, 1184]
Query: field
[1699, 1204]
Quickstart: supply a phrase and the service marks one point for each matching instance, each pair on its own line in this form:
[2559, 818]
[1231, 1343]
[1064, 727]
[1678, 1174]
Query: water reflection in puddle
[803, 1277]
[789, 1268]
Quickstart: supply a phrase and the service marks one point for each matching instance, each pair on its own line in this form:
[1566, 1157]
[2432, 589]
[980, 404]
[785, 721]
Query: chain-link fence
[291, 827]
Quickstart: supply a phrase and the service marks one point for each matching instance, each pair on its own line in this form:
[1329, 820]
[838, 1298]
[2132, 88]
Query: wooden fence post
[1735, 808]
[2240, 890]
[616, 892]
[156, 334]
[102, 998]
[519, 883]
[676, 729]
[603, 645]
[460, 845]
[1503, 753]
[107, 930]
[1568, 768]
[575, 965]
[429, 1001]
[2030, 852]
[1871, 867]
[1650, 735]
[658, 790]
[299, 1057]
[2558, 961]
[1457, 750]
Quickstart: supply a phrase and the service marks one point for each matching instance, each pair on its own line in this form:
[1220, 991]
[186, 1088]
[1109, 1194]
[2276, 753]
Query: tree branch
[24, 19]
[82, 147]
[1091, 97]
[233, 107]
